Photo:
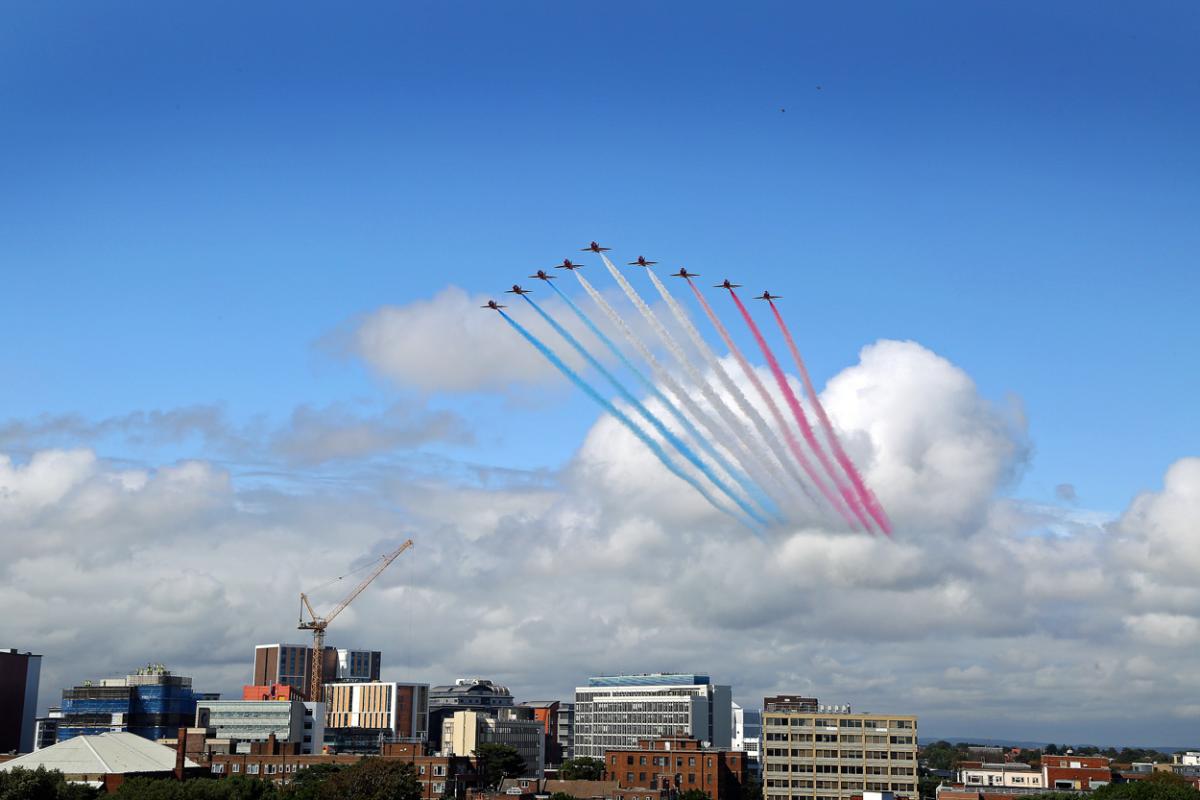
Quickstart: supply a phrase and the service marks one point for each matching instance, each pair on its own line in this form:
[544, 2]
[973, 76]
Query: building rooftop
[651, 679]
[104, 754]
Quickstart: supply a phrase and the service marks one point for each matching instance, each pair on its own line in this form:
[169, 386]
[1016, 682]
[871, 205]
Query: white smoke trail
[768, 437]
[737, 449]
[741, 433]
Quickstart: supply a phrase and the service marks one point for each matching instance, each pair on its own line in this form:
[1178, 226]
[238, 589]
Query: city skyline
[245, 250]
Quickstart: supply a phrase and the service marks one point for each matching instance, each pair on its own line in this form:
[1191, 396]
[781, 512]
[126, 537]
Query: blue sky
[196, 195]
[200, 201]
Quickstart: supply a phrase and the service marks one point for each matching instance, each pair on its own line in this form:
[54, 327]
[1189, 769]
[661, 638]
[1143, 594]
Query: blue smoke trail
[654, 421]
[633, 427]
[751, 488]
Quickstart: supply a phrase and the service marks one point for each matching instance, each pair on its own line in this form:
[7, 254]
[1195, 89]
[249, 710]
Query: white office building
[617, 711]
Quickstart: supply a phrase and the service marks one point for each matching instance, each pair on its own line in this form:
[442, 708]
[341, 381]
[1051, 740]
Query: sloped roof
[114, 753]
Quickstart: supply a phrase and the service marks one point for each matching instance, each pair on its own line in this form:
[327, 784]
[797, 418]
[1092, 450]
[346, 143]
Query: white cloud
[614, 564]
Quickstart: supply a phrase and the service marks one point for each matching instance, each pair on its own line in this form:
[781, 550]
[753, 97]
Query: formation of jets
[641, 261]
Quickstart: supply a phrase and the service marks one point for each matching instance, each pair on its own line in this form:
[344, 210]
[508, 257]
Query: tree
[694, 794]
[238, 787]
[940, 755]
[41, 784]
[306, 784]
[583, 768]
[497, 762]
[372, 779]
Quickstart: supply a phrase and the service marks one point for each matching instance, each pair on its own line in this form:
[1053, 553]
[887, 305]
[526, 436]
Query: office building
[566, 730]
[464, 731]
[1078, 773]
[291, 664]
[152, 703]
[1013, 775]
[618, 711]
[19, 675]
[465, 694]
[293, 721]
[828, 753]
[747, 737]
[361, 716]
[546, 712]
[45, 729]
[675, 764]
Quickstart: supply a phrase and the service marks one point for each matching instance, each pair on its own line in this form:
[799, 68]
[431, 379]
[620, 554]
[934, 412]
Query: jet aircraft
[517, 290]
[493, 305]
[641, 262]
[683, 273]
[595, 248]
[725, 284]
[567, 264]
[767, 296]
[542, 276]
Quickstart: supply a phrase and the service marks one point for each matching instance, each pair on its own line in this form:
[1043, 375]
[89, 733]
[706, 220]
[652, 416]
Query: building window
[252, 769]
[691, 761]
[236, 767]
[218, 769]
[421, 769]
[439, 770]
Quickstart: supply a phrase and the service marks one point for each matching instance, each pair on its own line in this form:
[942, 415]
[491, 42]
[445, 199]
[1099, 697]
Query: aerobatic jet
[725, 284]
[683, 273]
[542, 276]
[517, 290]
[493, 305]
[767, 296]
[567, 264]
[641, 262]
[595, 248]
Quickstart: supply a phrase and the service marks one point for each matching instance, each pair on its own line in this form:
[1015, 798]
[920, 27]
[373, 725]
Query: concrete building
[1191, 758]
[361, 716]
[45, 729]
[464, 731]
[19, 676]
[746, 737]
[618, 711]
[465, 694]
[1014, 775]
[292, 664]
[546, 712]
[828, 753]
[566, 730]
[677, 764]
[273, 691]
[293, 721]
[152, 703]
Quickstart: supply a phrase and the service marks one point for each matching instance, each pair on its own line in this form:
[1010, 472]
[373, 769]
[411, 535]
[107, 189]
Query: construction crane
[318, 624]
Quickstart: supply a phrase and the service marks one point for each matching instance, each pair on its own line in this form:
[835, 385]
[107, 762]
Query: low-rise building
[292, 721]
[1012, 775]
[106, 759]
[440, 775]
[1075, 772]
[676, 764]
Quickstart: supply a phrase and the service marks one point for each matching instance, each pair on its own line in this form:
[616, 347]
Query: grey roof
[115, 753]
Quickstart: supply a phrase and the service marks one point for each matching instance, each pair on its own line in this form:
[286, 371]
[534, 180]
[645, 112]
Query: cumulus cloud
[616, 565]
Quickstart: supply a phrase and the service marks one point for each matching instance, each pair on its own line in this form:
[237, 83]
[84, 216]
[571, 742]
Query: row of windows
[819, 722]
[658, 761]
[642, 778]
[856, 786]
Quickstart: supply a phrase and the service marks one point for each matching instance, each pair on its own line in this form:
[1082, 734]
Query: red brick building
[272, 691]
[279, 762]
[661, 766]
[1075, 772]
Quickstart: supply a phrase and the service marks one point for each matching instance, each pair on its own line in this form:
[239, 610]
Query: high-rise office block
[618, 711]
[812, 752]
[291, 664]
[19, 674]
[360, 716]
[152, 702]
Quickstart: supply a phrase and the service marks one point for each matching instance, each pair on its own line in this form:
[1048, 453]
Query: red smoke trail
[798, 413]
[868, 499]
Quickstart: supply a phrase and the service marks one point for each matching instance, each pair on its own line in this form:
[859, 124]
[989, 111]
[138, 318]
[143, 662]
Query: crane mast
[318, 624]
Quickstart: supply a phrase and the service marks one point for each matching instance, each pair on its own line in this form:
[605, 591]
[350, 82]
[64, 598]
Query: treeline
[946, 756]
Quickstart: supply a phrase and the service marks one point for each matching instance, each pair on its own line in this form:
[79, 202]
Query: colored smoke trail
[734, 390]
[865, 494]
[772, 406]
[733, 444]
[633, 427]
[751, 489]
[740, 432]
[801, 419]
[680, 446]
